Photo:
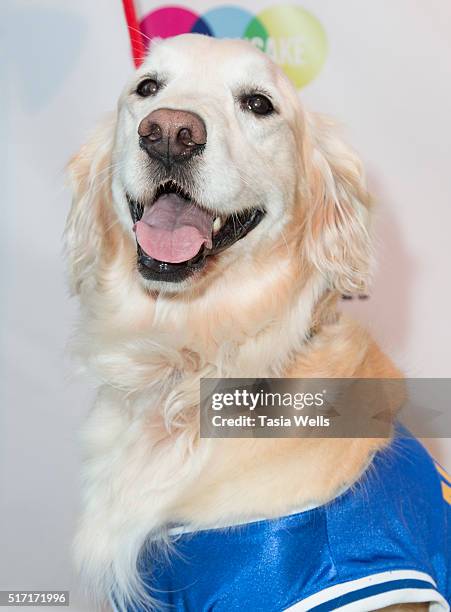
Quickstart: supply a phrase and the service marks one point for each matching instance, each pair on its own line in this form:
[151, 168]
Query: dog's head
[211, 164]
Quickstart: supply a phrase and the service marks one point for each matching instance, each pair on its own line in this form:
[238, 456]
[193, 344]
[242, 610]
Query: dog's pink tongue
[174, 230]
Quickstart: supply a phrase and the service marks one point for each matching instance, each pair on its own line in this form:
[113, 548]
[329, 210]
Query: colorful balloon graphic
[290, 35]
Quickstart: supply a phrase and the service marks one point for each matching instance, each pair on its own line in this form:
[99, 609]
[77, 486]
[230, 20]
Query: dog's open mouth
[175, 235]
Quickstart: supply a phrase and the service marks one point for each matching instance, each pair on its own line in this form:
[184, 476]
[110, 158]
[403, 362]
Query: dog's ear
[90, 174]
[337, 240]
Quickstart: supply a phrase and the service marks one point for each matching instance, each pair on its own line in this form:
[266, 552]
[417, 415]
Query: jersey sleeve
[389, 535]
[374, 592]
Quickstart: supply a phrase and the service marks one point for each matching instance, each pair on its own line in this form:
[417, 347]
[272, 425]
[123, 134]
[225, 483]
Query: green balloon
[257, 34]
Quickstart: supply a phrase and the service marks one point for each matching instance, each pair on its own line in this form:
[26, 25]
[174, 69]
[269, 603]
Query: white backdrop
[386, 79]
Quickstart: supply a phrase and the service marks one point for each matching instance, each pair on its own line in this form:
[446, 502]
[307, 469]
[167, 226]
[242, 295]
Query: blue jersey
[386, 540]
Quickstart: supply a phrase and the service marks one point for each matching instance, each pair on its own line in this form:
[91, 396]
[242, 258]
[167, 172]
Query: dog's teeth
[217, 224]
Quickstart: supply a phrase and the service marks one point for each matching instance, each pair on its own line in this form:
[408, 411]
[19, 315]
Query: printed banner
[292, 36]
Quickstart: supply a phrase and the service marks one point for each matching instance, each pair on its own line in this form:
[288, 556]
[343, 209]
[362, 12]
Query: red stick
[136, 40]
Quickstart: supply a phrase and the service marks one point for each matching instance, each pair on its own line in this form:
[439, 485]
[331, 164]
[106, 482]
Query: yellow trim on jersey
[442, 473]
[446, 491]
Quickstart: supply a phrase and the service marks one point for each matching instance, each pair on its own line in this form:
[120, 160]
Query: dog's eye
[147, 87]
[257, 104]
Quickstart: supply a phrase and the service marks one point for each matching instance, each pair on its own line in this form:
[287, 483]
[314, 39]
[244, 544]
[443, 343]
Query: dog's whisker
[141, 33]
[282, 233]
[96, 185]
[112, 224]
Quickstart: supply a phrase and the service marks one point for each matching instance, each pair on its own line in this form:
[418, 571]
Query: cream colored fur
[249, 314]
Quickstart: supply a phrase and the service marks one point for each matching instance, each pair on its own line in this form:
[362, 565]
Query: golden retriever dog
[214, 226]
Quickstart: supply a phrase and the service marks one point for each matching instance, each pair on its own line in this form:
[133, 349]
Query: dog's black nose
[170, 135]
